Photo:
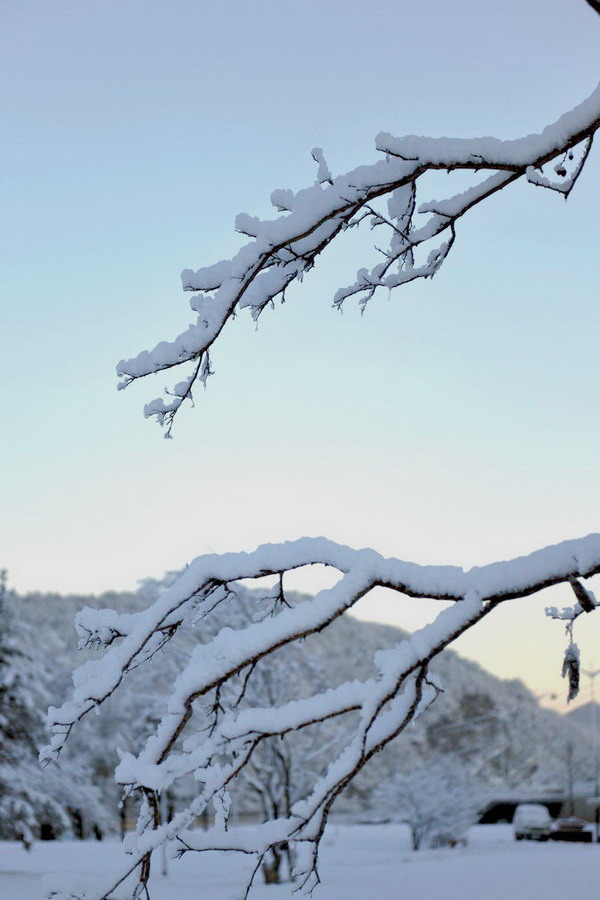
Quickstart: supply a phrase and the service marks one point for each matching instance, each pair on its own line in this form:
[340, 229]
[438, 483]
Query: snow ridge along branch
[284, 249]
[207, 731]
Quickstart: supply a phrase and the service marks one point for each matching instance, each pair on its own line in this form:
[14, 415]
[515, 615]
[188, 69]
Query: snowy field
[357, 862]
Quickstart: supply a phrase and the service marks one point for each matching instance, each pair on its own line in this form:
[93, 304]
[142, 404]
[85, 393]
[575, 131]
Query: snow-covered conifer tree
[25, 802]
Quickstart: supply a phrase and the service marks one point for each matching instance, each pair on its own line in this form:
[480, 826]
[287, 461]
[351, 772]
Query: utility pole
[569, 749]
[591, 674]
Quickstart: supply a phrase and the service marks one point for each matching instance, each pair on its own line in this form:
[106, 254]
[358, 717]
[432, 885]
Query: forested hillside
[494, 731]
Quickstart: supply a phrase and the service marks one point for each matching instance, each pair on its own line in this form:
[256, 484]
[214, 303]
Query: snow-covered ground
[357, 862]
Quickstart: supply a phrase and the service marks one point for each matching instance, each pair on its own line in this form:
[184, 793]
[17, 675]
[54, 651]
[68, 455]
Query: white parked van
[531, 822]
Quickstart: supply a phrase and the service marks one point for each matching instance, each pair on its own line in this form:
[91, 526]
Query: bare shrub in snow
[439, 802]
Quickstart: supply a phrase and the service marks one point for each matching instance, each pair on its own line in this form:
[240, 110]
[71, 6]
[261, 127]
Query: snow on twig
[205, 731]
[282, 250]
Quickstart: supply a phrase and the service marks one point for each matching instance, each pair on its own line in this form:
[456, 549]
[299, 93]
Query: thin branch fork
[230, 734]
[284, 249]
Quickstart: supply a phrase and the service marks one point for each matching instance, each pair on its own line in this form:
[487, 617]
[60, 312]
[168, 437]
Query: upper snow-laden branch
[212, 730]
[284, 249]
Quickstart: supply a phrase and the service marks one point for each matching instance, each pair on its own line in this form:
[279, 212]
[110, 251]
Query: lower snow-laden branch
[282, 250]
[231, 699]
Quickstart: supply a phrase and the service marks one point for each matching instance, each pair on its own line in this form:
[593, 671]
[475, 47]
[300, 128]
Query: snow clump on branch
[282, 250]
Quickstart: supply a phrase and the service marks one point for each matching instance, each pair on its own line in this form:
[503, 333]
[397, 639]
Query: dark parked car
[571, 829]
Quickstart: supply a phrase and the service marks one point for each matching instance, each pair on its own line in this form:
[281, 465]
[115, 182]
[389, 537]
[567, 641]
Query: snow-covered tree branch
[210, 731]
[220, 720]
[421, 231]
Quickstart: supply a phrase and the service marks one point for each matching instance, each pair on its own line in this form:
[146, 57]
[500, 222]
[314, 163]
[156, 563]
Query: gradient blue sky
[457, 422]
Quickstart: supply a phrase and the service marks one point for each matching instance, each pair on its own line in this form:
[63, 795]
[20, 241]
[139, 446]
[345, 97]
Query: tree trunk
[271, 866]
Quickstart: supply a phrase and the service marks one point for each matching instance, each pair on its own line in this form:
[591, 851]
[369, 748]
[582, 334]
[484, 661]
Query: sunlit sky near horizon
[455, 423]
